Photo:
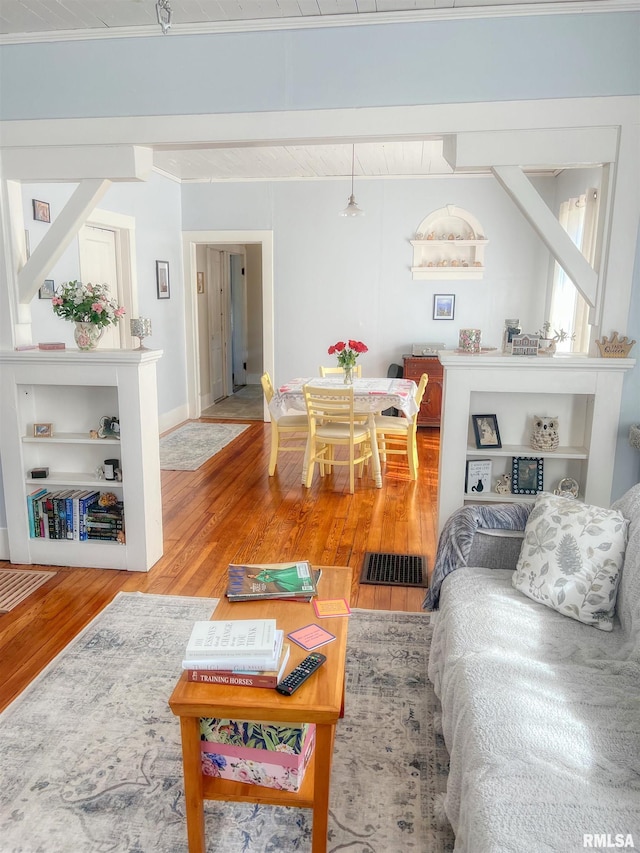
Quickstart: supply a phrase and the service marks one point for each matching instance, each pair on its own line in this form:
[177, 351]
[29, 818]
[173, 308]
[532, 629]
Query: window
[569, 311]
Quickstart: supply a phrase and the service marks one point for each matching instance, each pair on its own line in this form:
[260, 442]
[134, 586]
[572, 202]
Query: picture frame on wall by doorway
[162, 279]
[200, 279]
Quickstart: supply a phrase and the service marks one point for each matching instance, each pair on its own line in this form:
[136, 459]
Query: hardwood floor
[230, 510]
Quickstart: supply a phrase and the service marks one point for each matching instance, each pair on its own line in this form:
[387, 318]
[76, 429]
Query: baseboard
[4, 543]
[171, 419]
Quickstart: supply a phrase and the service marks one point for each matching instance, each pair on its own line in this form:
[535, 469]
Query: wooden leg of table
[193, 790]
[377, 474]
[321, 779]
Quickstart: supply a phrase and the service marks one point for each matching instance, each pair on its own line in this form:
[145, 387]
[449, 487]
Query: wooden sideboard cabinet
[414, 367]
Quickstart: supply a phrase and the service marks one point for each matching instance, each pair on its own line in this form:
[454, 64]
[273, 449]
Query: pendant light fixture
[352, 208]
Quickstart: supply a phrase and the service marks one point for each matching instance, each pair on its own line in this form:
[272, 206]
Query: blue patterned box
[257, 753]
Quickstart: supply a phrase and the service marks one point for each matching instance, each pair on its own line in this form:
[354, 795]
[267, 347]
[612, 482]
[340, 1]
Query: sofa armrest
[495, 549]
[458, 535]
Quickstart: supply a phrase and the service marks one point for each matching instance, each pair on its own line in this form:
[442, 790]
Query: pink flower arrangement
[348, 352]
[87, 303]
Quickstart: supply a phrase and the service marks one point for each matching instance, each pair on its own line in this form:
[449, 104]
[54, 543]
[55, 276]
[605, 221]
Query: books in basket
[259, 663]
[243, 677]
[295, 580]
[232, 638]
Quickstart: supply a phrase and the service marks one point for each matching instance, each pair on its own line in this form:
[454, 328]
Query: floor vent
[394, 569]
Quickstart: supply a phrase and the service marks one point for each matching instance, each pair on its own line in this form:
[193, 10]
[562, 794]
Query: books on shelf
[232, 638]
[296, 581]
[240, 677]
[73, 514]
[260, 663]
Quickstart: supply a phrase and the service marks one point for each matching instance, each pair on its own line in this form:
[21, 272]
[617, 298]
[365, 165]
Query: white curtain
[569, 311]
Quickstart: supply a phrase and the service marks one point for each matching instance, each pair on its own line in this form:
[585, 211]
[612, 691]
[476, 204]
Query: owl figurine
[545, 433]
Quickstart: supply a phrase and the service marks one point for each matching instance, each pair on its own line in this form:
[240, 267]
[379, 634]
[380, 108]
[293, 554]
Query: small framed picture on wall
[200, 277]
[162, 279]
[41, 210]
[444, 306]
[48, 289]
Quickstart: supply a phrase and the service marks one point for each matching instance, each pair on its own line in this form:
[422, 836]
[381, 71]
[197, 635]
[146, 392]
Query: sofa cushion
[571, 559]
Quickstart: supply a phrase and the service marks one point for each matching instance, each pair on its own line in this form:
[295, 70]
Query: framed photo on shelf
[48, 289]
[162, 279]
[443, 306]
[485, 428]
[42, 430]
[526, 475]
[41, 210]
[478, 479]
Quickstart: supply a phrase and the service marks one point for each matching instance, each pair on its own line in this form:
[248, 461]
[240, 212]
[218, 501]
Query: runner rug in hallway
[189, 446]
[91, 756]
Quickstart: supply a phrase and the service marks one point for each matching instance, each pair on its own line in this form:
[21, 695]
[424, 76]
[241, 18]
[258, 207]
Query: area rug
[16, 586]
[91, 751]
[189, 447]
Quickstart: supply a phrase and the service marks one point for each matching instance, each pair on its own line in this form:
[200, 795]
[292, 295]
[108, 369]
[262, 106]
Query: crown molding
[565, 7]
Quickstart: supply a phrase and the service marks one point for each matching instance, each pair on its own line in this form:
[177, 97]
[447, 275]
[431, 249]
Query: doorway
[244, 307]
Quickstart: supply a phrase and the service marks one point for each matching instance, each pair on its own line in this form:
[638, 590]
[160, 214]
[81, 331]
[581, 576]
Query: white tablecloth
[370, 395]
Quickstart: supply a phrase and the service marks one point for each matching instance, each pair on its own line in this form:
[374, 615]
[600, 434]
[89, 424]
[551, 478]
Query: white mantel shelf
[584, 392]
[499, 360]
[73, 390]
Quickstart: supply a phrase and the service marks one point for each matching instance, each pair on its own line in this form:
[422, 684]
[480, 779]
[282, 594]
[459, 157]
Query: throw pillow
[571, 558]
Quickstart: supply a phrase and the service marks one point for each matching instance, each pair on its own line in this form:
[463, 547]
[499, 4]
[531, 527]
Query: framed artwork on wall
[162, 279]
[443, 306]
[200, 277]
[48, 289]
[41, 210]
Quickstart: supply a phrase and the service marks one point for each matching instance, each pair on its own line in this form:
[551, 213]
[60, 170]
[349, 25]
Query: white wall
[337, 277]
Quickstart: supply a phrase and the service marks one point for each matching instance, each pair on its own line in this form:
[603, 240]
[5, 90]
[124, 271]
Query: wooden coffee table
[320, 700]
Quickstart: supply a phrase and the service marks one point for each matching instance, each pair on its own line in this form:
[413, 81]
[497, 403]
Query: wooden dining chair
[397, 436]
[288, 432]
[333, 423]
[330, 371]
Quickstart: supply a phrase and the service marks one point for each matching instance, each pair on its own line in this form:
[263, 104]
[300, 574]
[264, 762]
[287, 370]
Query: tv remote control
[299, 675]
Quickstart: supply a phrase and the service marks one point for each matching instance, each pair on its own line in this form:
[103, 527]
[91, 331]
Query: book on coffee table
[243, 677]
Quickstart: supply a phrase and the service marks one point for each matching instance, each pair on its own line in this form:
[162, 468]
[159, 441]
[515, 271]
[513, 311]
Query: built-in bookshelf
[583, 393]
[69, 393]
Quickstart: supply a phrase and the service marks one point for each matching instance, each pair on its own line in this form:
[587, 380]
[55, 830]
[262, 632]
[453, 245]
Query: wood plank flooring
[230, 510]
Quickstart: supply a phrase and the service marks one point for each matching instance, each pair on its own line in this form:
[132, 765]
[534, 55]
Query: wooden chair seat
[288, 432]
[398, 436]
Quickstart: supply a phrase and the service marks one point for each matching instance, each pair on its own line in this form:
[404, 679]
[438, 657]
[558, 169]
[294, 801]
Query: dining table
[370, 395]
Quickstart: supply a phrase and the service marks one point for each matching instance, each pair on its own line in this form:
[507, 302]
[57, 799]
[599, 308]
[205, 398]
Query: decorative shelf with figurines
[449, 244]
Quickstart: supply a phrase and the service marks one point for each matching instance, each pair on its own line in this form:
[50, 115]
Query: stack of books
[241, 653]
[296, 581]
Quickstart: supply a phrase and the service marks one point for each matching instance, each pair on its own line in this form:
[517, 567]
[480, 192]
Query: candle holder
[141, 328]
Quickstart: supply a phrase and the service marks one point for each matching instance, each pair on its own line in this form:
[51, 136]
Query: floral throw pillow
[571, 558]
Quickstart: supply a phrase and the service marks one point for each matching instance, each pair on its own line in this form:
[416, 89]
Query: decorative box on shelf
[257, 753]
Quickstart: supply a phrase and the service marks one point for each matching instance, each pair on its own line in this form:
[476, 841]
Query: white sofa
[540, 712]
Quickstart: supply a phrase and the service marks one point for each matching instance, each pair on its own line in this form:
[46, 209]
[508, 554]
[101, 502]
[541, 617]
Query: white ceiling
[23, 21]
[91, 18]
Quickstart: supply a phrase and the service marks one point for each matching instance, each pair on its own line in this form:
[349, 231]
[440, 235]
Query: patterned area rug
[189, 447]
[16, 586]
[91, 751]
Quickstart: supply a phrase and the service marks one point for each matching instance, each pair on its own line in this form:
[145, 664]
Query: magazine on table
[296, 581]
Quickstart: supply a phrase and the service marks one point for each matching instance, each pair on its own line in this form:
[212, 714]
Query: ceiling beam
[78, 162]
[62, 231]
[525, 196]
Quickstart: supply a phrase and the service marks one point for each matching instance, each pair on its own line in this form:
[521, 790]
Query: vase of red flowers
[347, 355]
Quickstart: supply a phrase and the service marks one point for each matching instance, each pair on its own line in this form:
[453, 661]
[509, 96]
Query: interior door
[98, 265]
[238, 320]
[216, 323]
